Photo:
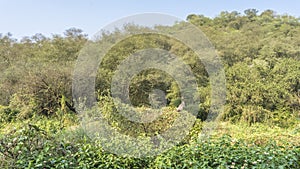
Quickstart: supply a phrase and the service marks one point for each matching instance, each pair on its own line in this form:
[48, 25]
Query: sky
[27, 17]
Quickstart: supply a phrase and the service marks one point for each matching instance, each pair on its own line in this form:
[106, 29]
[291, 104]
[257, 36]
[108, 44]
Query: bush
[7, 114]
[40, 145]
[227, 152]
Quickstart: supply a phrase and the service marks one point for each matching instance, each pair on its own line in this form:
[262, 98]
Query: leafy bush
[7, 114]
[227, 152]
[32, 146]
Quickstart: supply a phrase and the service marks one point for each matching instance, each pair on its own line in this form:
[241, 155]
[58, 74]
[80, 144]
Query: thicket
[260, 53]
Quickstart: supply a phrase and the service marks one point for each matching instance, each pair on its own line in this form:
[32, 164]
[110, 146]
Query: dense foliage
[42, 146]
[261, 56]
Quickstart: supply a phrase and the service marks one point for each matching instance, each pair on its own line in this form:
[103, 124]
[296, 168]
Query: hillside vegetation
[258, 128]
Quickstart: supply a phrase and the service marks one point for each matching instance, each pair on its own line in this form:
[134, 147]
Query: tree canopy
[260, 52]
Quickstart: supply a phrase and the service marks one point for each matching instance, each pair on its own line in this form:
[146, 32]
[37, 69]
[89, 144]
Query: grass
[259, 133]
